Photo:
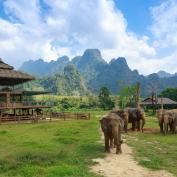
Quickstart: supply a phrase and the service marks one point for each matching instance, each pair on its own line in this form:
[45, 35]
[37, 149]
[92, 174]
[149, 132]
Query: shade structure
[158, 101]
[10, 77]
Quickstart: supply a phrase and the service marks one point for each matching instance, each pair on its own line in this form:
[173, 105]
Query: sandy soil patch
[124, 165]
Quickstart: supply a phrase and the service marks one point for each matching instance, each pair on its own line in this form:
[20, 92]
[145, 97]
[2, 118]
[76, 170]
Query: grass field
[54, 149]
[154, 150]
[65, 148]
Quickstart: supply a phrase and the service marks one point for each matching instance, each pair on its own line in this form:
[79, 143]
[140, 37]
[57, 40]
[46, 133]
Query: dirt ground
[124, 165]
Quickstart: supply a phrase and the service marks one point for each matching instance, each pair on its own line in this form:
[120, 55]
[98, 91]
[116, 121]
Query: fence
[69, 115]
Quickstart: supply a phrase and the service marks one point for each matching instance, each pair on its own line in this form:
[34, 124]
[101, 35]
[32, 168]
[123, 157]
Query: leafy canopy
[104, 99]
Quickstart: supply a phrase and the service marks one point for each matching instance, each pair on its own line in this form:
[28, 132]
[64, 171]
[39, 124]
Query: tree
[104, 99]
[127, 96]
[170, 93]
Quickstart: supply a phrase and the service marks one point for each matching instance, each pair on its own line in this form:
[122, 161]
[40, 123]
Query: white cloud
[164, 25]
[69, 27]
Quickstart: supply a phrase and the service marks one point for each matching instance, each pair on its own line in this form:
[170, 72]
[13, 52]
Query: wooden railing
[46, 116]
[18, 118]
[69, 115]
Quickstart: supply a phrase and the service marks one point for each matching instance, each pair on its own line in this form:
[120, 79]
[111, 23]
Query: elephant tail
[143, 123]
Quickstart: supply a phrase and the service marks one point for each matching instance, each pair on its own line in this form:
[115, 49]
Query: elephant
[170, 119]
[111, 126]
[135, 116]
[160, 116]
[124, 115]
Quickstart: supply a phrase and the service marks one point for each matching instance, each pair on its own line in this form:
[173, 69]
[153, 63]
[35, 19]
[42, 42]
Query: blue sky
[143, 31]
[137, 13]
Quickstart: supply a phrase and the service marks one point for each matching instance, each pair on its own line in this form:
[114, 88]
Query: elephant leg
[111, 143]
[126, 127]
[171, 127]
[119, 142]
[161, 127]
[138, 125]
[174, 127]
[107, 148]
[118, 148]
[133, 125]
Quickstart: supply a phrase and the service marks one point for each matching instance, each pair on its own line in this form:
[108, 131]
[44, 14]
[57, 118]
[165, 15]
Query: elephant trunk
[143, 123]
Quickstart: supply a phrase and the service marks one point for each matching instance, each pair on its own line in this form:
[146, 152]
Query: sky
[142, 31]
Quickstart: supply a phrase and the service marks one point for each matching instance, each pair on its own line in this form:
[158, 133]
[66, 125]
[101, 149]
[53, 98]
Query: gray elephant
[135, 116]
[123, 114]
[160, 116]
[111, 126]
[170, 120]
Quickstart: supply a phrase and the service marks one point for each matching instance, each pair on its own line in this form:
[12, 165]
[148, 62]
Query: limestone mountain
[42, 68]
[90, 72]
[90, 63]
[115, 76]
[164, 74]
[70, 82]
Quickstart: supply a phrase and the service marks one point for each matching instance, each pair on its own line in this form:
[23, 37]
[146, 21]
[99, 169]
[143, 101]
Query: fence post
[64, 116]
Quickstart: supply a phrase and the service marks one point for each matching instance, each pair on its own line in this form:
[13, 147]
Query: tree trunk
[138, 88]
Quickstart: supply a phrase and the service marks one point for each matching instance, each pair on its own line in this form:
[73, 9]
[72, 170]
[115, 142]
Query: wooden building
[158, 101]
[13, 106]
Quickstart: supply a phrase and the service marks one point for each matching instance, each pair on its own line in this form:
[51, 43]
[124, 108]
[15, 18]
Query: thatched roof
[4, 65]
[165, 101]
[10, 77]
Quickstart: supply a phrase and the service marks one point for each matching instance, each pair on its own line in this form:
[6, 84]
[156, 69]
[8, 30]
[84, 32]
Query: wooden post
[50, 115]
[15, 115]
[161, 103]
[153, 101]
[138, 88]
[64, 116]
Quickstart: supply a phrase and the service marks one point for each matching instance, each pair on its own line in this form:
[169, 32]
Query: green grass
[54, 149]
[154, 150]
[66, 148]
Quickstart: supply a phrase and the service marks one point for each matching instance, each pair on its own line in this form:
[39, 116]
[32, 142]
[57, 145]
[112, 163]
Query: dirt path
[124, 165]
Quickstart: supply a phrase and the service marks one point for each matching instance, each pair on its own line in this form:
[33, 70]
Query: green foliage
[127, 96]
[170, 93]
[69, 103]
[104, 98]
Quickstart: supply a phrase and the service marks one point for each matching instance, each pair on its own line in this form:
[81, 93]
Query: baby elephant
[111, 126]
